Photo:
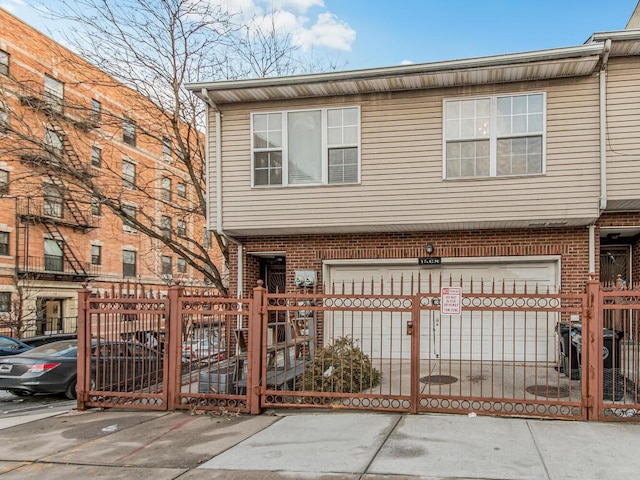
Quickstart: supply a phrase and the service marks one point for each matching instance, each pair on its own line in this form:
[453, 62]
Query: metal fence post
[173, 348]
[255, 355]
[592, 346]
[84, 349]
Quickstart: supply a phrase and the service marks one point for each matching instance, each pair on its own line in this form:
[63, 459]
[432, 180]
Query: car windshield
[55, 349]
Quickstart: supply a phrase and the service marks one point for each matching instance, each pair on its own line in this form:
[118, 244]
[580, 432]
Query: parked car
[44, 339]
[52, 368]
[202, 346]
[12, 346]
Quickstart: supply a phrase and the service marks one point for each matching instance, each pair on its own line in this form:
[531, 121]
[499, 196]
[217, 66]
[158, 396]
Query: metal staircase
[67, 252]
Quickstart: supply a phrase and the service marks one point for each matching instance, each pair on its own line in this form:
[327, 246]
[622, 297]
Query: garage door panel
[504, 336]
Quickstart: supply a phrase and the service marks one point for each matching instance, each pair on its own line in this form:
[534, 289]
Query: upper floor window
[129, 263]
[96, 206]
[53, 143]
[494, 136]
[166, 189]
[306, 147]
[181, 229]
[207, 238]
[4, 118]
[4, 243]
[167, 150]
[53, 93]
[182, 265]
[96, 157]
[52, 201]
[96, 255]
[5, 302]
[4, 182]
[167, 269]
[128, 174]
[96, 111]
[4, 63]
[165, 226]
[53, 256]
[128, 224]
[181, 190]
[129, 131]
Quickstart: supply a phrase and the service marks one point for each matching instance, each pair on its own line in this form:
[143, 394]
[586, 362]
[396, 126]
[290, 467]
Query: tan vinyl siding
[623, 129]
[401, 167]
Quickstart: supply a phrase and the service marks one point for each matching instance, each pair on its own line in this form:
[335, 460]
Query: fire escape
[58, 211]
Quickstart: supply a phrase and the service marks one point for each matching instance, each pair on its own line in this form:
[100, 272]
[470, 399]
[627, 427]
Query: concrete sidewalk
[312, 445]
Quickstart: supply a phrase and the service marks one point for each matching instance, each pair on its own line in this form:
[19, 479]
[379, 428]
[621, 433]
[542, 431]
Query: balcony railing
[57, 211]
[55, 266]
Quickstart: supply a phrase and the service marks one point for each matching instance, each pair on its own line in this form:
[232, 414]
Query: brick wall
[307, 252]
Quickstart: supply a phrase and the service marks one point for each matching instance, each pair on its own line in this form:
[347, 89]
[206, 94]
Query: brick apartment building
[64, 124]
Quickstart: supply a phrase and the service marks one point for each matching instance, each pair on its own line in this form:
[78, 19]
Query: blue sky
[376, 33]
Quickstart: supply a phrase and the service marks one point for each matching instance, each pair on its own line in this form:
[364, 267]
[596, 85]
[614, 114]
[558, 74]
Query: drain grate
[438, 379]
[548, 391]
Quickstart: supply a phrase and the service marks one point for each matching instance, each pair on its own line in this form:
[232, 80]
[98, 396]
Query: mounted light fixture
[429, 248]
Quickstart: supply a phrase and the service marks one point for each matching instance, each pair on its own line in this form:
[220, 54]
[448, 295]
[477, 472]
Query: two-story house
[518, 168]
[72, 142]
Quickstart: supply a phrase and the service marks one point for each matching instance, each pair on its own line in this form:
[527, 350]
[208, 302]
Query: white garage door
[470, 336]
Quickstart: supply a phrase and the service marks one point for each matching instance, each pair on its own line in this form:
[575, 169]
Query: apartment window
[96, 157]
[128, 263]
[128, 174]
[181, 189]
[53, 93]
[96, 206]
[53, 143]
[96, 255]
[127, 224]
[5, 302]
[4, 118]
[53, 257]
[166, 227]
[166, 266]
[207, 238]
[96, 111]
[4, 63]
[494, 136]
[52, 203]
[182, 265]
[322, 147]
[166, 189]
[129, 132]
[167, 149]
[182, 229]
[4, 243]
[4, 182]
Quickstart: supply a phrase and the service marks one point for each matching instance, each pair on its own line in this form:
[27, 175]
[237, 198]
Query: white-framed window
[128, 225]
[128, 174]
[4, 243]
[53, 255]
[306, 147]
[53, 143]
[4, 118]
[167, 268]
[181, 229]
[4, 63]
[129, 131]
[96, 156]
[182, 265]
[494, 136]
[5, 302]
[53, 93]
[165, 226]
[129, 261]
[4, 182]
[181, 190]
[167, 150]
[166, 189]
[52, 201]
[96, 206]
[96, 255]
[96, 111]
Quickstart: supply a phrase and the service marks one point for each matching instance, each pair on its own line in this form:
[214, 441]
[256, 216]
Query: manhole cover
[438, 379]
[548, 391]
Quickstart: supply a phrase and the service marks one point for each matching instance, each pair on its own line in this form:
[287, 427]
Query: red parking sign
[450, 300]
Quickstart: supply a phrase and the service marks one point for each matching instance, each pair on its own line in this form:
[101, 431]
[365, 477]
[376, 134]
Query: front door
[614, 264]
[51, 316]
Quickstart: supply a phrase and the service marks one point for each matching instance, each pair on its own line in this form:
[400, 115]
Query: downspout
[603, 124]
[592, 249]
[219, 228]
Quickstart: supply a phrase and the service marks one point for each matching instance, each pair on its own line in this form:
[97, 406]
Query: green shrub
[340, 367]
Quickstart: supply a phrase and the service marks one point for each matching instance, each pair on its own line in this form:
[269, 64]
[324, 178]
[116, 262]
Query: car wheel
[70, 392]
[20, 393]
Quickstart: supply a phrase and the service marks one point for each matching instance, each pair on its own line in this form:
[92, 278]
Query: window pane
[350, 135]
[535, 123]
[519, 104]
[452, 129]
[268, 168]
[305, 147]
[519, 124]
[536, 103]
[467, 159]
[519, 156]
[343, 165]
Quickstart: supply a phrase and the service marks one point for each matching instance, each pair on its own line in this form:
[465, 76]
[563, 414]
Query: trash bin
[569, 351]
[613, 385]
[221, 378]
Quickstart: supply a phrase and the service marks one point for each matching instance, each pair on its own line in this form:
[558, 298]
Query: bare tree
[21, 316]
[154, 47]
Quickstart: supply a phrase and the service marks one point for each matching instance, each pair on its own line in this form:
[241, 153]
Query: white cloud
[328, 31]
[406, 62]
[300, 6]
